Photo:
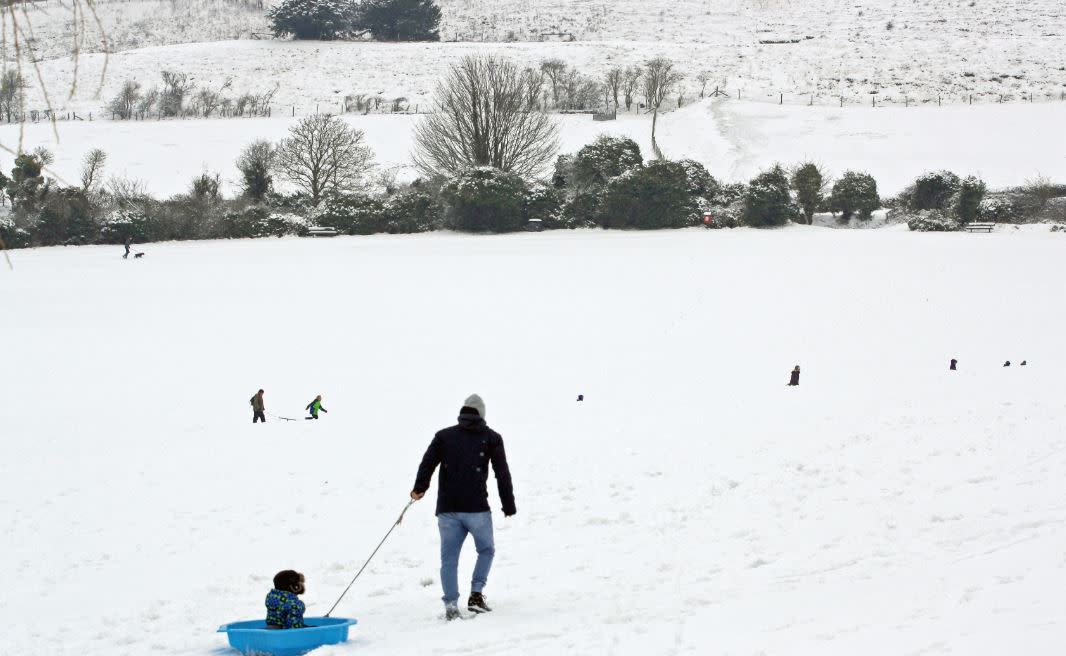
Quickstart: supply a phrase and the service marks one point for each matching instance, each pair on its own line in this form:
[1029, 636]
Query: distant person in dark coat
[794, 379]
[464, 453]
[127, 253]
[953, 363]
[1023, 363]
[258, 408]
[1007, 363]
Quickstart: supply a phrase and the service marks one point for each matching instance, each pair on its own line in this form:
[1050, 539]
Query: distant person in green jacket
[314, 406]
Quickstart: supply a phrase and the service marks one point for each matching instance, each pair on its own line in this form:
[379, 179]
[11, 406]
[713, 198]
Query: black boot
[476, 603]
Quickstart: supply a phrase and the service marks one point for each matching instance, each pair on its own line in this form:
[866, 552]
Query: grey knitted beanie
[474, 401]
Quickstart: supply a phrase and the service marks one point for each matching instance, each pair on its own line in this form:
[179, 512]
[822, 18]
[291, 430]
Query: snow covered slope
[1004, 144]
[692, 505]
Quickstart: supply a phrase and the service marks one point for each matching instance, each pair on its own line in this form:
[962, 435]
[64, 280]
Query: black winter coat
[464, 452]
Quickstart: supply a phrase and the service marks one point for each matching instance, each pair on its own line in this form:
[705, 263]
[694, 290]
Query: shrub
[412, 211]
[729, 194]
[602, 160]
[485, 199]
[353, 214]
[999, 208]
[323, 20]
[807, 181]
[652, 196]
[932, 221]
[968, 198]
[400, 20]
[121, 224]
[580, 211]
[701, 184]
[65, 217]
[545, 202]
[933, 191]
[12, 235]
[255, 165]
[854, 193]
[766, 200]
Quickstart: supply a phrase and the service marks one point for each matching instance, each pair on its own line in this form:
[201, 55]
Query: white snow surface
[693, 504]
[1003, 144]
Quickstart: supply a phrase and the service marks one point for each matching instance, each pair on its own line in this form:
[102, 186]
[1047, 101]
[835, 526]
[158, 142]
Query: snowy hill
[691, 505]
[916, 52]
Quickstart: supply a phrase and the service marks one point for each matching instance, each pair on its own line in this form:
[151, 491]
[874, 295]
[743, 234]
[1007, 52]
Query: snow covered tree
[27, 183]
[766, 200]
[484, 118]
[809, 184]
[255, 165]
[323, 20]
[324, 155]
[854, 193]
[176, 87]
[701, 184]
[485, 199]
[400, 20]
[613, 83]
[605, 158]
[655, 195]
[65, 217]
[933, 191]
[968, 198]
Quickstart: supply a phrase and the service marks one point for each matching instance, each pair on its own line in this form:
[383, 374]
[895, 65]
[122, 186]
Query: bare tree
[534, 82]
[147, 102]
[124, 104]
[175, 87]
[659, 79]
[324, 155]
[92, 168]
[554, 70]
[630, 80]
[12, 93]
[255, 164]
[484, 118]
[613, 83]
[703, 78]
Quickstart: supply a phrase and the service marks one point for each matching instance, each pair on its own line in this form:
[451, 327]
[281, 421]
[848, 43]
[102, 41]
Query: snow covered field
[1004, 144]
[692, 505]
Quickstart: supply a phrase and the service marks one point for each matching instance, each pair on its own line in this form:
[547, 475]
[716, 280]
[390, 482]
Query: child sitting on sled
[284, 608]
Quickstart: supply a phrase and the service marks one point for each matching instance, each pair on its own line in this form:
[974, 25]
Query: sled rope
[282, 418]
[398, 520]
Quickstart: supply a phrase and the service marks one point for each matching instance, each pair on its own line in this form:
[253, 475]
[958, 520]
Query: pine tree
[807, 182]
[400, 20]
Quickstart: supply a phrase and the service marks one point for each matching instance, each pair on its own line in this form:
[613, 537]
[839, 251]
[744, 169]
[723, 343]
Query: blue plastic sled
[255, 638]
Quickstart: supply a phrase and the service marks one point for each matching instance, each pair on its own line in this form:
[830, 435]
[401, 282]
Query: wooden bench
[321, 231]
[979, 227]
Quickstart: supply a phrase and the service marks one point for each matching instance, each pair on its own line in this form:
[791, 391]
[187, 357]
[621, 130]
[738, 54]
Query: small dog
[136, 255]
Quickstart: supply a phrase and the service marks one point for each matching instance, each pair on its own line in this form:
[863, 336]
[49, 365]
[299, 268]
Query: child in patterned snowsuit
[284, 608]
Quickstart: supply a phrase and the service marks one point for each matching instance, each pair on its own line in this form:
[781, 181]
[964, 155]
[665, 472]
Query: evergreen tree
[766, 200]
[652, 196]
[400, 20]
[933, 191]
[485, 199]
[807, 182]
[323, 20]
[968, 199]
[854, 193]
[603, 159]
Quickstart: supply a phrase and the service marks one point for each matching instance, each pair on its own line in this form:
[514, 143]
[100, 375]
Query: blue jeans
[453, 530]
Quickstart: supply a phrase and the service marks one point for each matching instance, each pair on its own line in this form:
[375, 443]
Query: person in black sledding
[953, 363]
[1007, 363]
[794, 379]
[314, 406]
[1023, 363]
[127, 253]
[580, 397]
[258, 408]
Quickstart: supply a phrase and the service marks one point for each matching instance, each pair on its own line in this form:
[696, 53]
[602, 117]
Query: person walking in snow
[1007, 363]
[258, 408]
[464, 453]
[314, 406]
[953, 363]
[794, 379]
[125, 255]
